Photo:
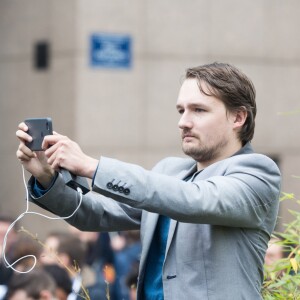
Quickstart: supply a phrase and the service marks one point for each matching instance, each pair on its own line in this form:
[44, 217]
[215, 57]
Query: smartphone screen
[38, 128]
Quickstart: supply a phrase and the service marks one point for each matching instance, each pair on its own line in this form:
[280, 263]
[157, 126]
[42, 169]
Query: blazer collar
[246, 149]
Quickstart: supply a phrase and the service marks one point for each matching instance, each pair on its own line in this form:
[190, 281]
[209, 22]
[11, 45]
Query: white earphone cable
[27, 212]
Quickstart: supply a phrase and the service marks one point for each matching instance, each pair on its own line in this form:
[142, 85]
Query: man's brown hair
[232, 87]
[32, 283]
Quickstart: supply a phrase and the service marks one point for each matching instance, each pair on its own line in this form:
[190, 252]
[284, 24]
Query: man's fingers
[23, 126]
[58, 143]
[52, 147]
[23, 136]
[51, 153]
[26, 151]
[50, 140]
[23, 156]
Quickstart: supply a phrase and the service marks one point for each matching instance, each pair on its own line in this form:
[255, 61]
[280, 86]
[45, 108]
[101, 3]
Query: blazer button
[127, 191]
[121, 189]
[115, 187]
[109, 185]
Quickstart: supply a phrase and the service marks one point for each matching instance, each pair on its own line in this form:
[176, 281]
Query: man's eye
[180, 111]
[199, 110]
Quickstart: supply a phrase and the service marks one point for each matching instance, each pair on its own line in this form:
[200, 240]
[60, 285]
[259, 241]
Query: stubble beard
[203, 153]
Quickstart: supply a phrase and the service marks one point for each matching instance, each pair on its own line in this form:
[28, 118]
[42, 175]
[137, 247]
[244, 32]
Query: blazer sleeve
[96, 213]
[241, 191]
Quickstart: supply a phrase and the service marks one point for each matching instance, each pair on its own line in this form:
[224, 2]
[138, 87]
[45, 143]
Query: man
[205, 221]
[35, 285]
[62, 280]
[274, 253]
[5, 273]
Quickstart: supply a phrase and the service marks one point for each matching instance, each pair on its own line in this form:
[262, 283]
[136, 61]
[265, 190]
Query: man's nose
[185, 121]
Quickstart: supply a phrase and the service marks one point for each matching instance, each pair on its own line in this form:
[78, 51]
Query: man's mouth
[187, 136]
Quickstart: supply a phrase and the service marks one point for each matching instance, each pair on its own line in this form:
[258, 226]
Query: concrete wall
[26, 92]
[130, 114]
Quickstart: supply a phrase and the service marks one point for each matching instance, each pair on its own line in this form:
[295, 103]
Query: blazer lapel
[151, 222]
[173, 223]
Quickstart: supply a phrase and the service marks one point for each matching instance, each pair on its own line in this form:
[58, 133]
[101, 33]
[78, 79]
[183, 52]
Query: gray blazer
[221, 219]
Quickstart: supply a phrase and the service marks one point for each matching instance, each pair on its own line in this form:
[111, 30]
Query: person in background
[6, 273]
[25, 247]
[127, 247]
[99, 255]
[5, 222]
[62, 280]
[131, 281]
[36, 284]
[68, 251]
[274, 252]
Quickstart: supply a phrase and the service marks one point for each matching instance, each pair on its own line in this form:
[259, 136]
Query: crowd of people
[71, 260]
[70, 263]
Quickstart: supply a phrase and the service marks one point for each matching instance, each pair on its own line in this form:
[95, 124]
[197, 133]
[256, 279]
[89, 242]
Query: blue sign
[110, 51]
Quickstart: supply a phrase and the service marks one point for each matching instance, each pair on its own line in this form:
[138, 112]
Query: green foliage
[282, 278]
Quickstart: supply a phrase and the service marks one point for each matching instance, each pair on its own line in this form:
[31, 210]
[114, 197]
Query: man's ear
[240, 117]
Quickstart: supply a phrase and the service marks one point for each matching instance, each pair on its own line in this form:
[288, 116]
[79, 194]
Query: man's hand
[64, 153]
[34, 162]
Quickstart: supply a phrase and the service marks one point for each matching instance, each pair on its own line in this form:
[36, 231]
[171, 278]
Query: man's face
[207, 129]
[273, 253]
[10, 237]
[20, 295]
[48, 256]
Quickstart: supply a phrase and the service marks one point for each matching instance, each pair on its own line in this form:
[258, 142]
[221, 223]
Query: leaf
[294, 265]
[287, 196]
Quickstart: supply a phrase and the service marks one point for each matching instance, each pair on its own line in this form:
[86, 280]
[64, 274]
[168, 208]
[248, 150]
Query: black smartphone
[38, 128]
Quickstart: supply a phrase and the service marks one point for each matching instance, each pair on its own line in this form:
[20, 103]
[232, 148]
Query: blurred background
[108, 74]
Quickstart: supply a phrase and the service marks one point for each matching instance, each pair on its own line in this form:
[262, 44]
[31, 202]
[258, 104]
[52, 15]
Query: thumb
[52, 139]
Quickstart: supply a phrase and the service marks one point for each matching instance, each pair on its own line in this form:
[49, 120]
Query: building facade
[108, 74]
